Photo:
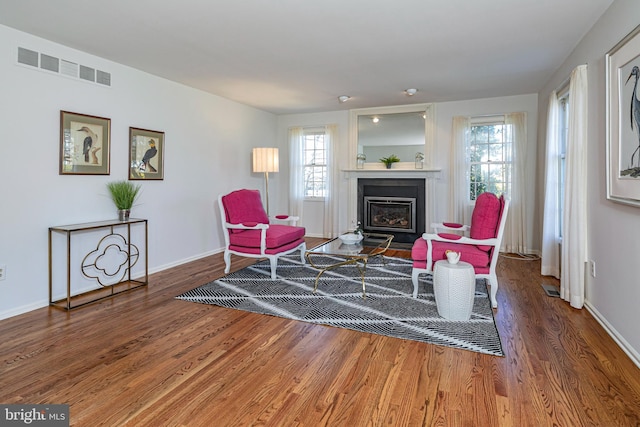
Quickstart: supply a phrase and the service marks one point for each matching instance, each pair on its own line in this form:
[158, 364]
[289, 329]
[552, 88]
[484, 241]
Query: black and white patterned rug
[388, 309]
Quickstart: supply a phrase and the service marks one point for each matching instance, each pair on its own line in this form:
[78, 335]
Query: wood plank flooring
[146, 359]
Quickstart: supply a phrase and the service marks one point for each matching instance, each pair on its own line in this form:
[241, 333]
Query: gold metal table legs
[355, 261]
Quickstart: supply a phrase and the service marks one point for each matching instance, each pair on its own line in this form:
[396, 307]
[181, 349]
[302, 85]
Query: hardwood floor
[146, 359]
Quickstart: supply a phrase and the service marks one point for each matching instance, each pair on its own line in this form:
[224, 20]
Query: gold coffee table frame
[357, 254]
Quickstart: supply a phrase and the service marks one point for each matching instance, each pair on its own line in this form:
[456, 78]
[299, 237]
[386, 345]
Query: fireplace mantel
[388, 173]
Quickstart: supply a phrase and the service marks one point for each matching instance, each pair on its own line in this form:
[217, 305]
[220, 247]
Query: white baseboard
[624, 345]
[44, 303]
[24, 309]
[184, 261]
[313, 235]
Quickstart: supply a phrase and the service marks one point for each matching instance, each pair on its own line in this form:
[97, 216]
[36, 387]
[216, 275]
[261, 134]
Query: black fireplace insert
[392, 206]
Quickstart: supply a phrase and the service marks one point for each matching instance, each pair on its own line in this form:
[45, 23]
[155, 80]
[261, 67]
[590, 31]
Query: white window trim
[310, 131]
[487, 120]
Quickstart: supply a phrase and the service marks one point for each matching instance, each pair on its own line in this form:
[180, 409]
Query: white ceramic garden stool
[454, 287]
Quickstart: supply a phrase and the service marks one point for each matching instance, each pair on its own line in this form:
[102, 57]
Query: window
[490, 156]
[315, 163]
[563, 134]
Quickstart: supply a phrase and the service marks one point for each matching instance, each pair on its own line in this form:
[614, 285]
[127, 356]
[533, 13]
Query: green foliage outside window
[315, 164]
[490, 157]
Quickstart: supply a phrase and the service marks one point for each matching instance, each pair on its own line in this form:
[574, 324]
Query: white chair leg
[414, 279]
[227, 262]
[303, 249]
[274, 265]
[493, 282]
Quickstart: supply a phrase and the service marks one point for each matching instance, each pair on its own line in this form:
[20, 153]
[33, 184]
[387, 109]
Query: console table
[112, 280]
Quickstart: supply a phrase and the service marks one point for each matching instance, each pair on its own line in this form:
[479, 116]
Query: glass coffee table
[358, 254]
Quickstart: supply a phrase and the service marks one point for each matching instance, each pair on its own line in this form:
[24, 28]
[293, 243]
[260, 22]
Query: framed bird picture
[146, 154]
[85, 144]
[623, 120]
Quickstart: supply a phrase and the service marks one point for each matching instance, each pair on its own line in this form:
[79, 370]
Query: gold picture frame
[146, 154]
[85, 144]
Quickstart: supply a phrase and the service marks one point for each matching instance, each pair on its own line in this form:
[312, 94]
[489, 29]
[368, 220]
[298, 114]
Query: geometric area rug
[388, 309]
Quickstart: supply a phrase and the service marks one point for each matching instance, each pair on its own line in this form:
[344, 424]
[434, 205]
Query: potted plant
[388, 161]
[124, 194]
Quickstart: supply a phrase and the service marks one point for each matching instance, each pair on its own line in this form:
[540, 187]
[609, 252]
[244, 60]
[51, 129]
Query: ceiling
[298, 56]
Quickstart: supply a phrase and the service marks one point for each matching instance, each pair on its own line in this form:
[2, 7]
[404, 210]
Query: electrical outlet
[592, 267]
[3, 272]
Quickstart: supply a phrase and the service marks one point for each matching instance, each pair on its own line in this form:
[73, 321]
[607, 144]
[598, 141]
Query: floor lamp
[265, 159]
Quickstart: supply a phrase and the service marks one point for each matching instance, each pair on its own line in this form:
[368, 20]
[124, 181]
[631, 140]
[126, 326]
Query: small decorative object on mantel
[419, 160]
[388, 161]
[124, 194]
[360, 160]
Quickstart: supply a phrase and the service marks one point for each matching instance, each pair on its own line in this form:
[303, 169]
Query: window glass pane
[479, 153]
[496, 153]
[480, 134]
[495, 133]
[314, 164]
[490, 154]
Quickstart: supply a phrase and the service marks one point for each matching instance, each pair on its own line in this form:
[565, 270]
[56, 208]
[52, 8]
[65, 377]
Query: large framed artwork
[146, 154]
[85, 144]
[623, 120]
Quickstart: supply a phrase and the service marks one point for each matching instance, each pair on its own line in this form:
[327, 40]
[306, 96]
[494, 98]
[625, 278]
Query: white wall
[208, 151]
[613, 296]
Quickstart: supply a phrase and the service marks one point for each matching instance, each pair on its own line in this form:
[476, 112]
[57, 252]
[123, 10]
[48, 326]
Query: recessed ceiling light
[411, 92]
[343, 98]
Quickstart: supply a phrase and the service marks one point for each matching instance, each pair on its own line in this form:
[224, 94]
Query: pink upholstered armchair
[248, 232]
[480, 249]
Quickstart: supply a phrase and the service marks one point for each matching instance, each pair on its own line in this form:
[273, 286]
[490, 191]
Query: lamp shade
[265, 159]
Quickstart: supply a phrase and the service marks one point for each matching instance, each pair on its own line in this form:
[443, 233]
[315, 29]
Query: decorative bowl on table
[350, 238]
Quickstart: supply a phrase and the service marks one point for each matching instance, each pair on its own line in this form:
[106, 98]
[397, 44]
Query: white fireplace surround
[352, 175]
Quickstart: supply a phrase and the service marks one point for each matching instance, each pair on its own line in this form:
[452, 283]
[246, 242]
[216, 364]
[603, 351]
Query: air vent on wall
[27, 57]
[69, 68]
[103, 78]
[49, 63]
[87, 73]
[62, 66]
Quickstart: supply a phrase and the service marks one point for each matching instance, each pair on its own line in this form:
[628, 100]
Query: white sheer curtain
[550, 257]
[515, 233]
[296, 184]
[458, 198]
[331, 200]
[574, 220]
[296, 171]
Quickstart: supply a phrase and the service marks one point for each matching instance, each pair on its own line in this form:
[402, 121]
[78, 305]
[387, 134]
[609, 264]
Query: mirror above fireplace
[381, 132]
